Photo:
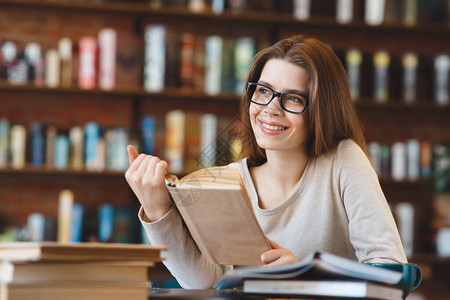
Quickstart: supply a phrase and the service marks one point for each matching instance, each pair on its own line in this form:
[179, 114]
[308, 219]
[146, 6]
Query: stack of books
[51, 270]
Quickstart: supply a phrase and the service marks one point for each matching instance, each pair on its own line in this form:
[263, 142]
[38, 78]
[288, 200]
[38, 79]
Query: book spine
[385, 169]
[66, 57]
[175, 129]
[218, 6]
[302, 9]
[18, 146]
[36, 227]
[107, 40]
[199, 62]
[244, 52]
[410, 63]
[124, 225]
[148, 131]
[120, 156]
[197, 6]
[37, 145]
[33, 55]
[441, 79]
[77, 223]
[213, 64]
[65, 210]
[426, 154]
[354, 61]
[398, 163]
[381, 61]
[76, 138]
[344, 11]
[18, 68]
[50, 140]
[9, 54]
[208, 145]
[228, 79]
[52, 70]
[87, 71]
[413, 149]
[155, 57]
[92, 134]
[410, 12]
[405, 217]
[187, 61]
[375, 156]
[106, 222]
[4, 142]
[374, 12]
[61, 152]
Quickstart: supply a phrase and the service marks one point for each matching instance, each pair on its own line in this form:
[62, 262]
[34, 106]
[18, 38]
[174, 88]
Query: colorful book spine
[155, 57]
[77, 223]
[106, 222]
[174, 152]
[4, 142]
[52, 68]
[92, 135]
[381, 61]
[37, 144]
[50, 140]
[62, 149]
[228, 78]
[65, 209]
[354, 61]
[187, 61]
[148, 132]
[65, 49]
[244, 52]
[107, 40]
[410, 63]
[18, 146]
[213, 64]
[426, 154]
[199, 62]
[76, 139]
[87, 72]
[441, 79]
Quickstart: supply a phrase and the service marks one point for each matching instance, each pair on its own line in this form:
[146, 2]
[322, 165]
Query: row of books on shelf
[191, 141]
[76, 271]
[373, 12]
[409, 160]
[211, 64]
[77, 222]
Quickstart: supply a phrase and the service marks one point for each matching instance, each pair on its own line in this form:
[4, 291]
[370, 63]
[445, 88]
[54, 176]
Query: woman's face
[275, 128]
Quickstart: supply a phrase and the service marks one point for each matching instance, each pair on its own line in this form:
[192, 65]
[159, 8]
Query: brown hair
[330, 112]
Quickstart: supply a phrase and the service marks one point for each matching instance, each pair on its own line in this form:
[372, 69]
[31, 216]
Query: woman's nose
[274, 107]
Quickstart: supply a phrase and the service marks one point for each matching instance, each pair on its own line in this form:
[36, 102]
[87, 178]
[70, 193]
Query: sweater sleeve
[372, 229]
[183, 259]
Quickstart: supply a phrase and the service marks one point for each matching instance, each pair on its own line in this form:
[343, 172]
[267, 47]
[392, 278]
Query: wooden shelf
[253, 18]
[30, 170]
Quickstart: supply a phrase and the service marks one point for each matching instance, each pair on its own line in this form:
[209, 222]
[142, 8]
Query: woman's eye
[263, 91]
[296, 99]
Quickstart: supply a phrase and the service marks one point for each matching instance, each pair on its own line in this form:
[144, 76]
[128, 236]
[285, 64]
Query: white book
[405, 219]
[18, 146]
[208, 136]
[398, 162]
[302, 9]
[441, 79]
[155, 57]
[107, 41]
[374, 12]
[65, 208]
[52, 68]
[344, 11]
[323, 288]
[213, 64]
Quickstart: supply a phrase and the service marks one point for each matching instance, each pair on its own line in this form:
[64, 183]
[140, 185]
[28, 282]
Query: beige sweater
[337, 207]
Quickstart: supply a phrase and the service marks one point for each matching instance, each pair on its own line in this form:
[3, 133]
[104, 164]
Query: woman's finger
[132, 153]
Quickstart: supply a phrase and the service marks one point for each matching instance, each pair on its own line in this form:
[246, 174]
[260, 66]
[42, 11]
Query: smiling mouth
[273, 127]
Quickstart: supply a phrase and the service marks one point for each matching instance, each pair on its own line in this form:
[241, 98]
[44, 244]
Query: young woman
[304, 165]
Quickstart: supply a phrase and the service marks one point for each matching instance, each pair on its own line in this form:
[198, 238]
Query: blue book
[124, 225]
[92, 135]
[4, 137]
[62, 152]
[105, 222]
[77, 223]
[37, 145]
[148, 134]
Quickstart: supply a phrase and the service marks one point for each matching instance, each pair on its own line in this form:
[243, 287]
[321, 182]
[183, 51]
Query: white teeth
[272, 127]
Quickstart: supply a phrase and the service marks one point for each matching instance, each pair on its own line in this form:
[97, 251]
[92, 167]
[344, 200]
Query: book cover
[148, 133]
[56, 251]
[214, 203]
[62, 149]
[323, 288]
[92, 135]
[155, 57]
[77, 223]
[318, 265]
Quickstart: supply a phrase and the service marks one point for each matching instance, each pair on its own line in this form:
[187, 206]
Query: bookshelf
[129, 101]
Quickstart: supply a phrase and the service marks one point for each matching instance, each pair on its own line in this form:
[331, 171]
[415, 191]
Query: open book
[217, 211]
[318, 265]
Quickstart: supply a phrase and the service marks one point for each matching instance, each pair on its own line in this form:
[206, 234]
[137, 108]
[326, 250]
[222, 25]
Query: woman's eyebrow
[289, 90]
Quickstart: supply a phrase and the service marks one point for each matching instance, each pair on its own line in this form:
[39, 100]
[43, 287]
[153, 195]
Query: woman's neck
[285, 168]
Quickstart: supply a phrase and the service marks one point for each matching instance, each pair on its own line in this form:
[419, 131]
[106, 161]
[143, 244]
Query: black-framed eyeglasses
[261, 94]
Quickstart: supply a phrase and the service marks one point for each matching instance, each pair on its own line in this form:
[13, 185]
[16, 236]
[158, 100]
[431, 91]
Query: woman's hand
[146, 178]
[277, 256]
